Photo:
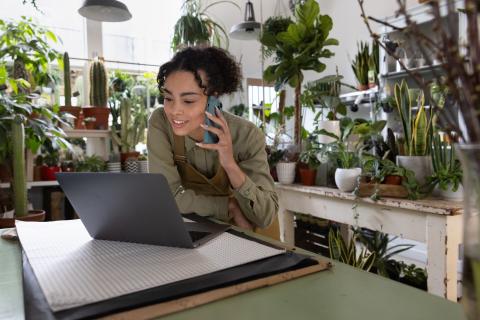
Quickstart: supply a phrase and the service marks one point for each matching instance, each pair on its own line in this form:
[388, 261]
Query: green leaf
[331, 42]
[13, 85]
[307, 13]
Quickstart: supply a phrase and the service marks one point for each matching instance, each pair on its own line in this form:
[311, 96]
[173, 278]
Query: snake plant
[447, 168]
[417, 129]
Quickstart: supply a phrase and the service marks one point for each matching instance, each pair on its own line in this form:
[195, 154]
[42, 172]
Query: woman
[229, 180]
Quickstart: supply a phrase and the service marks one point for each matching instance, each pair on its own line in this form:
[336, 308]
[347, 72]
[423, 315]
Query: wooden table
[342, 293]
[437, 223]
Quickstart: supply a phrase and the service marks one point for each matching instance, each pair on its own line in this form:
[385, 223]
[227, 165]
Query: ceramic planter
[286, 172]
[346, 179]
[449, 194]
[420, 165]
[330, 126]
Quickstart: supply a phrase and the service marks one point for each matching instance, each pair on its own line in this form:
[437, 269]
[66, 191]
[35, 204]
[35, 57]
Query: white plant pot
[449, 194]
[143, 166]
[420, 165]
[286, 172]
[346, 179]
[332, 126]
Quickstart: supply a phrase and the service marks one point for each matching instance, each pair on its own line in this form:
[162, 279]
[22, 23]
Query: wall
[348, 28]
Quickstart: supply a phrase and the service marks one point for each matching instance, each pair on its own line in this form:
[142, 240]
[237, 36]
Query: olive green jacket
[256, 197]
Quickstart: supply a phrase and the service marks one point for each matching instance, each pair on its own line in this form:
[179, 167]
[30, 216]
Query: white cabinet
[98, 141]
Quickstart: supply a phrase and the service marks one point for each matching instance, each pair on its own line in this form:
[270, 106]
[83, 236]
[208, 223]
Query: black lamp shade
[105, 10]
[249, 29]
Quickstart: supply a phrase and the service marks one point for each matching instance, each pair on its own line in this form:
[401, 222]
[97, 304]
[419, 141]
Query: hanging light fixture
[105, 10]
[248, 29]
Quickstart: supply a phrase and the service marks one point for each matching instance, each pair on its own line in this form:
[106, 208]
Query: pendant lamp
[105, 10]
[248, 29]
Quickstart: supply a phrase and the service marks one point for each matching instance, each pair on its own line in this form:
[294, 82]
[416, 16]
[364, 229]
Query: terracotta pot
[74, 111]
[48, 173]
[33, 215]
[307, 176]
[5, 173]
[90, 125]
[362, 87]
[126, 155]
[37, 173]
[392, 179]
[100, 114]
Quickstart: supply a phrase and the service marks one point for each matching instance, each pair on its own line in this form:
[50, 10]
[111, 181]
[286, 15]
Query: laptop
[133, 207]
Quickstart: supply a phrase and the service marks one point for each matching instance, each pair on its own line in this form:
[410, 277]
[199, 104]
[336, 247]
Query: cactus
[98, 84]
[133, 125]
[66, 80]
[19, 180]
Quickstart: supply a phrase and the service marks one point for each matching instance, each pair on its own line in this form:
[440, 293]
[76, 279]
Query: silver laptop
[133, 207]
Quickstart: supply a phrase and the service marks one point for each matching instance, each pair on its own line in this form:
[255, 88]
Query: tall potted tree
[299, 48]
[23, 123]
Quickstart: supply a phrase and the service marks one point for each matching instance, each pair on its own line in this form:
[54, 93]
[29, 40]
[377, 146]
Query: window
[59, 16]
[143, 39]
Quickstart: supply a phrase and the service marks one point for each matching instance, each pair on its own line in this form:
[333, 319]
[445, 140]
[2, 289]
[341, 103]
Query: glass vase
[469, 155]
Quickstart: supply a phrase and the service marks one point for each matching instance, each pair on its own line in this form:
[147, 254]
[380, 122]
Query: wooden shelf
[421, 70]
[87, 133]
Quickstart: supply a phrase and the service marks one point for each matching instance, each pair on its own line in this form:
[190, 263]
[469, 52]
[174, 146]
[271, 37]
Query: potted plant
[446, 180]
[286, 167]
[72, 111]
[325, 92]
[300, 47]
[417, 132]
[143, 163]
[382, 171]
[92, 163]
[23, 123]
[274, 155]
[98, 95]
[196, 27]
[51, 166]
[308, 171]
[343, 154]
[133, 122]
[360, 65]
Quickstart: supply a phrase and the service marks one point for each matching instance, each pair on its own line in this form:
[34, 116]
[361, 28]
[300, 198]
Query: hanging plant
[196, 27]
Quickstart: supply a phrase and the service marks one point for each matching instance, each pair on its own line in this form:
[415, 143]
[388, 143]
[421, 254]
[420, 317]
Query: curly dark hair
[223, 72]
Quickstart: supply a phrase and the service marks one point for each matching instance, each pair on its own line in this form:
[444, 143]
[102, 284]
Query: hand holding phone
[212, 105]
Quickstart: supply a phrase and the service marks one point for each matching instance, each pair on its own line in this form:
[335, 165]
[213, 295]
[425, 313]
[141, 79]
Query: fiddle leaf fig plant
[300, 47]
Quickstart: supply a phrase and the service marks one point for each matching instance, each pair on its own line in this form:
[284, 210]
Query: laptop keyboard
[197, 235]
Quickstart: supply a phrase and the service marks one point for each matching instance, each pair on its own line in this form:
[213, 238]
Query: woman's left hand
[224, 144]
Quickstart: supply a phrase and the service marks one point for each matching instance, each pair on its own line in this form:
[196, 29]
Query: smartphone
[212, 105]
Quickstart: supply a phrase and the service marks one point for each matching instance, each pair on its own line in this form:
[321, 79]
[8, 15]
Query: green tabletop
[341, 293]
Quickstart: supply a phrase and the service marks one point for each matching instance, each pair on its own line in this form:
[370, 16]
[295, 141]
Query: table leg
[444, 235]
[287, 229]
